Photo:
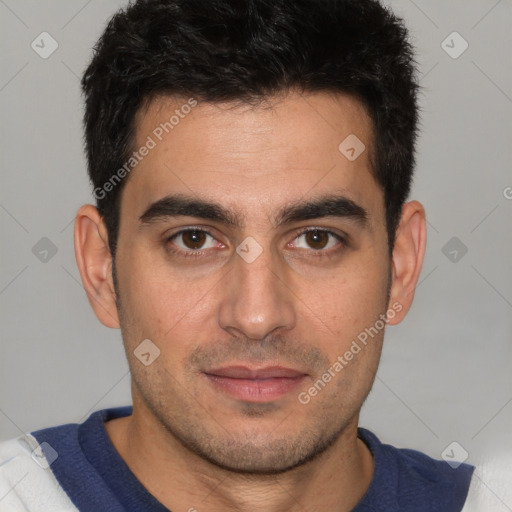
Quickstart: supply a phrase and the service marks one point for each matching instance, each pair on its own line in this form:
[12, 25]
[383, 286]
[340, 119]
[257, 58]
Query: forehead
[253, 157]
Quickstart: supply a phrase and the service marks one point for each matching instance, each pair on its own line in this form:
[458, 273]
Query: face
[270, 269]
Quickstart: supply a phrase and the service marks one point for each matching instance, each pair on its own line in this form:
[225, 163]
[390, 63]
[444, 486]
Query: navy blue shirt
[96, 478]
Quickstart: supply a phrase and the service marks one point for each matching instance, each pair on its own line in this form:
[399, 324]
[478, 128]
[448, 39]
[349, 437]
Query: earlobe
[95, 264]
[407, 260]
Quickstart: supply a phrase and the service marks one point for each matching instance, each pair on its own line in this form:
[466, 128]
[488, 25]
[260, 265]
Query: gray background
[445, 372]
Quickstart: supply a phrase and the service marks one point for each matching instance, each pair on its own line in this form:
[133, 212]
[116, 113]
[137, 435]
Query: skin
[297, 305]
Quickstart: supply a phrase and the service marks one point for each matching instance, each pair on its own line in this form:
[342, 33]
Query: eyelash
[199, 252]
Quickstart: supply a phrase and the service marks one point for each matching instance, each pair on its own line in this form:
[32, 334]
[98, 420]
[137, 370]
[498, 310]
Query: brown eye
[192, 240]
[317, 239]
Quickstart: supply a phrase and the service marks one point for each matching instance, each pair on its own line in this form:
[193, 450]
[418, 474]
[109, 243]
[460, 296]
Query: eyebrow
[177, 205]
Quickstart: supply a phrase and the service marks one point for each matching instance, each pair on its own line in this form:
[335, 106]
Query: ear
[407, 260]
[95, 264]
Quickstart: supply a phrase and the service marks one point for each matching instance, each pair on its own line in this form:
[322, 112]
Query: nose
[257, 299]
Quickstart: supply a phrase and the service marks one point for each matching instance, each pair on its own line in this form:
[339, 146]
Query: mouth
[255, 384]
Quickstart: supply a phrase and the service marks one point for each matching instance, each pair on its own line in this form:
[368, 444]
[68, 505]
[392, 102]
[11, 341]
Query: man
[251, 163]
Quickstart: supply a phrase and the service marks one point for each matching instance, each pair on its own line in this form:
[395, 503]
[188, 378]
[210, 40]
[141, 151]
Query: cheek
[351, 300]
[159, 306]
[148, 301]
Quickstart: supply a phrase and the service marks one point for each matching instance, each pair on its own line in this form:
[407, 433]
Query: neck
[181, 480]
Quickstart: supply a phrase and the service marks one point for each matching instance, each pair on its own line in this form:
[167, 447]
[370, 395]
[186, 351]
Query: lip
[255, 384]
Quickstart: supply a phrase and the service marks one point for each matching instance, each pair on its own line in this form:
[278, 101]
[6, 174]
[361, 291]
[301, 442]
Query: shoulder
[408, 479]
[26, 480]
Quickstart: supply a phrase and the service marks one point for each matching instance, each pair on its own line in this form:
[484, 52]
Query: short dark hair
[247, 51]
